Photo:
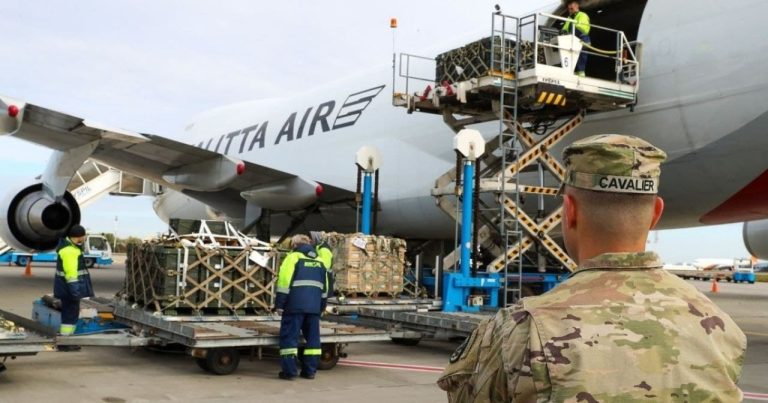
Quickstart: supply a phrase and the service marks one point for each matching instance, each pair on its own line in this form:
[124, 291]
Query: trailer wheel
[203, 364]
[221, 361]
[329, 357]
[22, 260]
[90, 262]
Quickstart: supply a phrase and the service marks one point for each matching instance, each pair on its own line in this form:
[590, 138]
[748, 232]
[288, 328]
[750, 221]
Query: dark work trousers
[70, 311]
[290, 326]
[581, 64]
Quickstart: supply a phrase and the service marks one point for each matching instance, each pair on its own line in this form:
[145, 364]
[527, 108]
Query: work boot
[68, 349]
[306, 375]
[282, 375]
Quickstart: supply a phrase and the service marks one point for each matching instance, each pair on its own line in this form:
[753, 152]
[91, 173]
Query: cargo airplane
[702, 99]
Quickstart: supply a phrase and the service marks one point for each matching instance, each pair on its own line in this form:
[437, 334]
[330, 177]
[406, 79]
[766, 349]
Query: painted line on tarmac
[386, 365]
[756, 396]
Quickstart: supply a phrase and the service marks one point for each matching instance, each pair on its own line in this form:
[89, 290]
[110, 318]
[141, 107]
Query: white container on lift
[564, 52]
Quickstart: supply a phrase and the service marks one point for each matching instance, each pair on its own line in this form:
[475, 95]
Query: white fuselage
[702, 100]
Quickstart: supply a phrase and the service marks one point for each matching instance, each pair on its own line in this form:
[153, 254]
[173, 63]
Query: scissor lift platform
[523, 78]
[567, 95]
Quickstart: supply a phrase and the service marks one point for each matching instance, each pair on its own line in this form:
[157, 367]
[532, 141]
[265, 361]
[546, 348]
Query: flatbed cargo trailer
[408, 327]
[216, 342]
[34, 339]
[708, 275]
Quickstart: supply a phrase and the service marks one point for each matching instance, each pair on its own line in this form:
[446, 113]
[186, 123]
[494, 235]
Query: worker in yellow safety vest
[302, 294]
[324, 254]
[72, 281]
[581, 30]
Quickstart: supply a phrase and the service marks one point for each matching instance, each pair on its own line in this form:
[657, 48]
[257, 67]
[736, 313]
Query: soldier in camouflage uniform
[620, 329]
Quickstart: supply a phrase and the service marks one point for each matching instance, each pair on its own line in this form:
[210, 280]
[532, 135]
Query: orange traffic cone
[28, 269]
[714, 286]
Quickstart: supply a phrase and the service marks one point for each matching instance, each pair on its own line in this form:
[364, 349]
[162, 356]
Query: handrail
[623, 64]
[408, 57]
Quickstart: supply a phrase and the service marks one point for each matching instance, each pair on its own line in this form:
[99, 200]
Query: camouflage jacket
[621, 329]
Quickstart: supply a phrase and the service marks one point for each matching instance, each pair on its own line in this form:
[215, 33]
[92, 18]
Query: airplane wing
[215, 179]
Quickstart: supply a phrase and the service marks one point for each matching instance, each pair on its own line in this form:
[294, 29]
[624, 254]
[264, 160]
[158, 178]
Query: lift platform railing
[623, 54]
[539, 35]
[409, 64]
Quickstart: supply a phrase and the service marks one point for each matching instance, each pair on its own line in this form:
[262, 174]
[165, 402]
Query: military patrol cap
[76, 231]
[613, 163]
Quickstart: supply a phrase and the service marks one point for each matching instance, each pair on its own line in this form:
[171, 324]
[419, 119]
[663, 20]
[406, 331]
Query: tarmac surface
[372, 372]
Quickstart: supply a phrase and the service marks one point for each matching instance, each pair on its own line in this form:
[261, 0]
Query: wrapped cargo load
[10, 331]
[474, 60]
[367, 265]
[214, 270]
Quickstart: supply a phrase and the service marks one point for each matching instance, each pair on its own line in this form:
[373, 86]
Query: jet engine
[755, 235]
[31, 220]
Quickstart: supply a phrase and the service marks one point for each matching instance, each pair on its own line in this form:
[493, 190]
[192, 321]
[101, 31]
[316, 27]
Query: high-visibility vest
[582, 23]
[70, 267]
[302, 282]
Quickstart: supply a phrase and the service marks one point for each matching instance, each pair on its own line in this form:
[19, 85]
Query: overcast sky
[151, 66]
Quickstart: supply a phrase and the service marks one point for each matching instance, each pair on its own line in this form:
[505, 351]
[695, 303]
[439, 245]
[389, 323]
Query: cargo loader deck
[216, 342]
[30, 339]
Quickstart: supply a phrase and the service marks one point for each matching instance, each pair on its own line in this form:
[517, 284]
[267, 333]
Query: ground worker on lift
[72, 281]
[302, 294]
[621, 328]
[581, 31]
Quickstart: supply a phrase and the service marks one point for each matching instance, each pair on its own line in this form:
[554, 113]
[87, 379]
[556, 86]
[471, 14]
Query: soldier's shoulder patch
[460, 350]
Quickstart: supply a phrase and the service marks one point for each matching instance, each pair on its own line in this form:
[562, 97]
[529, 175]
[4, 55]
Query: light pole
[114, 236]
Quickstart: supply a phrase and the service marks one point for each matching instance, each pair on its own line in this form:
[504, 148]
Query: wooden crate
[367, 265]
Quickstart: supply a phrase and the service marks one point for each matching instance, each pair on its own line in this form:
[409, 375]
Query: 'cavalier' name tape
[615, 184]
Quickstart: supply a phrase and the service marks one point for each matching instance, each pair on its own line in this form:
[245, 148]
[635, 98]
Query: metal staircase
[93, 181]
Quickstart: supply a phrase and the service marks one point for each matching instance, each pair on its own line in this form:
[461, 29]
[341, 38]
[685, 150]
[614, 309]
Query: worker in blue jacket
[72, 281]
[302, 293]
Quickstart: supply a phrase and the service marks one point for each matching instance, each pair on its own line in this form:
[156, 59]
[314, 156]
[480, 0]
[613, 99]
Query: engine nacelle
[172, 204]
[33, 221]
[755, 235]
[284, 195]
